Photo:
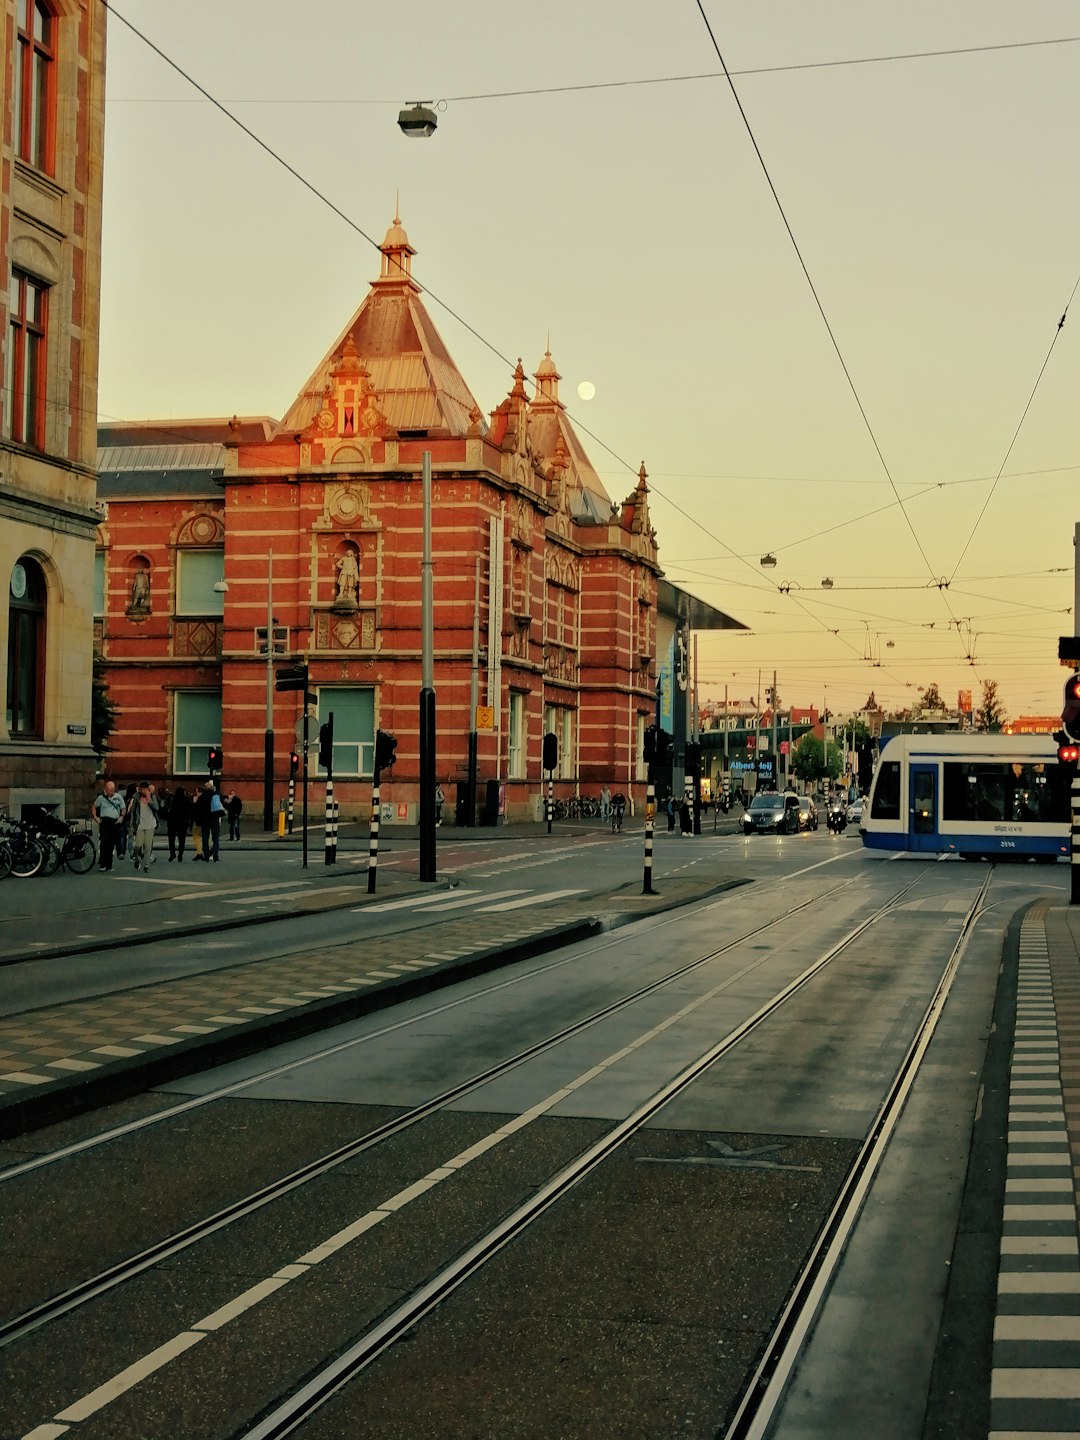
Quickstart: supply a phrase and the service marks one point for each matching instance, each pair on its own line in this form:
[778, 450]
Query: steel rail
[324, 1383]
[47, 1311]
[764, 1391]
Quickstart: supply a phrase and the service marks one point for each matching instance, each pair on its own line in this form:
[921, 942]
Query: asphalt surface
[57, 1060]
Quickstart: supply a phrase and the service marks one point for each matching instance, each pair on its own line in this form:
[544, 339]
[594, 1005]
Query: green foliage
[930, 698]
[103, 712]
[809, 762]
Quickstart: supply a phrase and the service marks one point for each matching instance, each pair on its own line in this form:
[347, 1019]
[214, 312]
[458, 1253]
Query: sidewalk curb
[123, 1078]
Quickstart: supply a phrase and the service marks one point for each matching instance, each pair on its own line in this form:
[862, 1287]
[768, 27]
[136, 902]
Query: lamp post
[427, 689]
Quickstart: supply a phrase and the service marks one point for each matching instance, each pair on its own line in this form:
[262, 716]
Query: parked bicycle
[68, 844]
[25, 852]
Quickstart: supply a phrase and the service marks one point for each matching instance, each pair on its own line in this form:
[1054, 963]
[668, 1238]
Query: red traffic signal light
[294, 764]
[214, 759]
[1070, 708]
[1069, 754]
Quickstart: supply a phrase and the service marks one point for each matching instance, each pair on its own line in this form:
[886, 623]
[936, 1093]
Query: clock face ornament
[18, 582]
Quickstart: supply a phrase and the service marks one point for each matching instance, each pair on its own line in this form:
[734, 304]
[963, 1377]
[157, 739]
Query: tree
[990, 715]
[930, 698]
[808, 763]
[103, 712]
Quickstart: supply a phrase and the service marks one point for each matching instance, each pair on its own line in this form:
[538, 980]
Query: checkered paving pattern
[1035, 1382]
[42, 1046]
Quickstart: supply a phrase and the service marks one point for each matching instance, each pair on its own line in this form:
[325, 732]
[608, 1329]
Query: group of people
[128, 821]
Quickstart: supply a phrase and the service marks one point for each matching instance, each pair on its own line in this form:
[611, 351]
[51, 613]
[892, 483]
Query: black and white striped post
[1068, 738]
[373, 836]
[1074, 898]
[292, 798]
[326, 760]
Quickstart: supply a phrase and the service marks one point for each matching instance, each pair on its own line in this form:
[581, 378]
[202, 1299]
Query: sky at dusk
[909, 434]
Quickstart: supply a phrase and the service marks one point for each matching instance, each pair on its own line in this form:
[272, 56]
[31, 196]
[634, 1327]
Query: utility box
[491, 802]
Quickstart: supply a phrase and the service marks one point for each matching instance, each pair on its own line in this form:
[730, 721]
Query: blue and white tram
[989, 796]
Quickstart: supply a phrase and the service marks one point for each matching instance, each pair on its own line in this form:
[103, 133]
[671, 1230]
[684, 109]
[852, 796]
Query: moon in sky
[586, 390]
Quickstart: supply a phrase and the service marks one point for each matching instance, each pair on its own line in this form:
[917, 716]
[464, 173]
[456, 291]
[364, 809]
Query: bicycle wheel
[51, 854]
[27, 857]
[5, 859]
[80, 854]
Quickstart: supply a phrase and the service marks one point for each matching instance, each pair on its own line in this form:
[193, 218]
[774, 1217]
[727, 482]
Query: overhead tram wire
[849, 62]
[941, 584]
[1016, 432]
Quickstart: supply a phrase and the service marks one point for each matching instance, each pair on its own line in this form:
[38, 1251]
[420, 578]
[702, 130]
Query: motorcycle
[836, 819]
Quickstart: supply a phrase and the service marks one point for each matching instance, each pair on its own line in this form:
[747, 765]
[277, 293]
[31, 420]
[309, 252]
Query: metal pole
[469, 815]
[427, 692]
[1074, 841]
[650, 826]
[695, 738]
[329, 836]
[268, 742]
[825, 740]
[304, 779]
[292, 800]
[775, 755]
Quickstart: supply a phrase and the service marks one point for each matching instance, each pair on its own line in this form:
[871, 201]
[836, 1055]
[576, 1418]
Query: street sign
[1069, 650]
[485, 717]
[304, 723]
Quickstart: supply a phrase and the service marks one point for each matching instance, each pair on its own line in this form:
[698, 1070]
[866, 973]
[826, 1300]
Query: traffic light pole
[268, 738]
[304, 779]
[650, 828]
[427, 691]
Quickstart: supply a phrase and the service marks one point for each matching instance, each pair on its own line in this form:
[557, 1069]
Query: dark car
[808, 816]
[772, 813]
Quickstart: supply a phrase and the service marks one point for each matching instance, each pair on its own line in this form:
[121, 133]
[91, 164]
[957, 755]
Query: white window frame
[191, 757]
[515, 736]
[214, 606]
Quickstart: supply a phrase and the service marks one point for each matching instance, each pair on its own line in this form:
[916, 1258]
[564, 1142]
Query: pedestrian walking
[178, 822]
[208, 811]
[123, 835]
[686, 818]
[605, 802]
[234, 808]
[440, 801]
[144, 825]
[670, 813]
[107, 813]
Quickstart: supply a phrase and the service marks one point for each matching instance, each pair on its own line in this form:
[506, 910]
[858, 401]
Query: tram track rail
[50, 1310]
[286, 1418]
[183, 1239]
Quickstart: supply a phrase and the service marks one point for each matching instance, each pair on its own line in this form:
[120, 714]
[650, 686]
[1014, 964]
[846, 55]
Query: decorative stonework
[562, 569]
[200, 638]
[346, 506]
[201, 529]
[561, 663]
[345, 632]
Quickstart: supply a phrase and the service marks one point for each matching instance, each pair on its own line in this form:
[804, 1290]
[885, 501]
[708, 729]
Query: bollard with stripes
[1074, 898]
[373, 839]
[330, 837]
[292, 797]
[650, 826]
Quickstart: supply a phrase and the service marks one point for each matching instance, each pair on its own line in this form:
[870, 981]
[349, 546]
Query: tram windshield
[886, 801]
[1014, 791]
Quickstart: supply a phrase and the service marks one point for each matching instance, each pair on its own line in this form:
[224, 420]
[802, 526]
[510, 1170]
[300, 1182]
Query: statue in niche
[348, 582]
[139, 604]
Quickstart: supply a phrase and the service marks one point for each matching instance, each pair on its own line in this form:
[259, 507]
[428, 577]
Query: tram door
[922, 807]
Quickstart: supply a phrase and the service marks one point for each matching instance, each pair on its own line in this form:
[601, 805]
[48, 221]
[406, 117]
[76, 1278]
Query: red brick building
[311, 526]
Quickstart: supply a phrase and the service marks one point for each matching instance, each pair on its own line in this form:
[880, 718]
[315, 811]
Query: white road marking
[531, 900]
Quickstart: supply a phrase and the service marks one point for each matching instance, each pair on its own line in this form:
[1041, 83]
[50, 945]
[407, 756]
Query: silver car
[772, 814]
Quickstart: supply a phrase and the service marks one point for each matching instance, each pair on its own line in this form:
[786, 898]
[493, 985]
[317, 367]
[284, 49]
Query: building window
[26, 650]
[196, 727]
[641, 769]
[198, 572]
[24, 366]
[515, 743]
[559, 721]
[35, 70]
[99, 584]
[353, 709]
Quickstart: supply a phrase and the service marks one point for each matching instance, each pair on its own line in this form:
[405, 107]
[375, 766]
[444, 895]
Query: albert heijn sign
[1069, 651]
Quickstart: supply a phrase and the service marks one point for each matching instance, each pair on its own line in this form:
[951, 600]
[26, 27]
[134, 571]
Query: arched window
[26, 650]
[35, 83]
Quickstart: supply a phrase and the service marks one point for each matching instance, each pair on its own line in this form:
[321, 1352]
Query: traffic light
[385, 750]
[326, 745]
[294, 764]
[292, 677]
[663, 747]
[648, 748]
[551, 750]
[693, 756]
[215, 758]
[1070, 709]
[1069, 755]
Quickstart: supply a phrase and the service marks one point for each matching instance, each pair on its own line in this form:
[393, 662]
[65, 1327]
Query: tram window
[983, 791]
[886, 804]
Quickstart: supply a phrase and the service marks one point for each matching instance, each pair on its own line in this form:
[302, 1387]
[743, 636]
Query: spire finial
[397, 207]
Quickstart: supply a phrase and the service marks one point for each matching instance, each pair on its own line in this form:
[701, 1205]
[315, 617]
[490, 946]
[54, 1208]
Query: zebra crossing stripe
[1035, 1379]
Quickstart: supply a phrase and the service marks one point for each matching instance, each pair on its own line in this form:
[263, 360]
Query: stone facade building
[310, 528]
[52, 86]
